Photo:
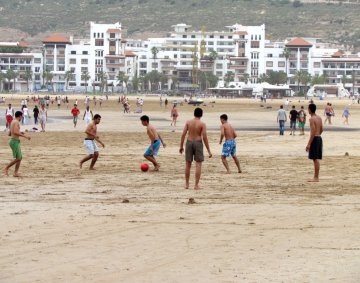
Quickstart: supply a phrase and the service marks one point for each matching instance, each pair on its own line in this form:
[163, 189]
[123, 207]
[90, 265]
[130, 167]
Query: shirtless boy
[90, 144]
[15, 144]
[315, 145]
[156, 141]
[229, 147]
[196, 131]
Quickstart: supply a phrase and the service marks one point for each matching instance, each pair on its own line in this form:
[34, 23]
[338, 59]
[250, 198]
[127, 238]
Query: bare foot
[17, 175]
[197, 187]
[228, 172]
[6, 172]
[314, 180]
[239, 171]
[80, 165]
[186, 187]
[92, 168]
[157, 168]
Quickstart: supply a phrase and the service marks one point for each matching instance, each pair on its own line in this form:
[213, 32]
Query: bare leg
[316, 171]
[94, 159]
[224, 161]
[153, 161]
[237, 162]
[187, 173]
[90, 156]
[12, 163]
[17, 167]
[197, 175]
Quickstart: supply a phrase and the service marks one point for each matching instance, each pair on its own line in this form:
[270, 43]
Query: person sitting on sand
[15, 144]
[315, 144]
[156, 141]
[90, 144]
[229, 147]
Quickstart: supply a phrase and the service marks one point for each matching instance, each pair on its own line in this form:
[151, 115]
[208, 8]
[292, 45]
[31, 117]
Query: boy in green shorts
[302, 120]
[15, 144]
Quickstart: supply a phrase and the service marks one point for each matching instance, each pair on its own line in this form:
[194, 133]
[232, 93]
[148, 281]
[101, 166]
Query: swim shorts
[153, 149]
[9, 118]
[15, 147]
[316, 148]
[301, 125]
[229, 148]
[194, 150]
[91, 146]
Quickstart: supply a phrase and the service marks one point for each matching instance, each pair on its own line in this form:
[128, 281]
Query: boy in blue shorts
[229, 147]
[156, 141]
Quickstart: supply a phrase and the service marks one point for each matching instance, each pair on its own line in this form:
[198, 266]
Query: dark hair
[293, 106]
[224, 117]
[145, 118]
[18, 114]
[281, 107]
[312, 107]
[97, 116]
[198, 112]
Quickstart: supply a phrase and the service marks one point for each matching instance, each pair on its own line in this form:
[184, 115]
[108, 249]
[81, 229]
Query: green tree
[286, 54]
[11, 75]
[102, 78]
[245, 77]
[213, 55]
[68, 76]
[229, 77]
[135, 83]
[2, 77]
[305, 80]
[28, 77]
[154, 78]
[48, 77]
[85, 76]
[276, 78]
[154, 52]
[318, 80]
[262, 78]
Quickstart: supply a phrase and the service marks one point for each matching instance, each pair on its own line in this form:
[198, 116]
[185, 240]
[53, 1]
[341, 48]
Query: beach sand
[118, 224]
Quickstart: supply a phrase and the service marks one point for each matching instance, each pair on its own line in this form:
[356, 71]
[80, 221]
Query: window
[219, 74]
[219, 66]
[192, 36]
[37, 77]
[73, 52]
[269, 63]
[84, 69]
[94, 34]
[230, 37]
[37, 69]
[210, 43]
[85, 53]
[84, 61]
[99, 42]
[112, 35]
[221, 36]
[316, 64]
[61, 68]
[72, 69]
[175, 55]
[112, 43]
[211, 36]
[73, 61]
[269, 55]
[99, 53]
[37, 60]
[184, 36]
[255, 44]
[281, 64]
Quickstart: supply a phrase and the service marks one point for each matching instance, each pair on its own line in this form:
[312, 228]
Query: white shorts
[87, 121]
[91, 146]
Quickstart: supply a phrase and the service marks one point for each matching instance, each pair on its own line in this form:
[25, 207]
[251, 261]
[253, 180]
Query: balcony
[237, 67]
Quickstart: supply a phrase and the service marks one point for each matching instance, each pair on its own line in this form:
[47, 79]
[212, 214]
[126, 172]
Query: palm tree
[229, 77]
[102, 77]
[85, 76]
[28, 75]
[297, 78]
[48, 77]
[305, 80]
[2, 77]
[68, 76]
[245, 77]
[154, 52]
[135, 83]
[286, 54]
[263, 78]
[121, 77]
[317, 80]
[11, 75]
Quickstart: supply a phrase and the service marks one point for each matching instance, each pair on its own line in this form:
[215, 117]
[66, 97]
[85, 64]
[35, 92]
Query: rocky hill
[283, 18]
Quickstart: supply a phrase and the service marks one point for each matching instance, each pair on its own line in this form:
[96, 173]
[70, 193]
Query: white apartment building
[242, 50]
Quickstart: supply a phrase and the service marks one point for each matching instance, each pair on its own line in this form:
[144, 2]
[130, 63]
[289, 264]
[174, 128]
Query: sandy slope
[63, 224]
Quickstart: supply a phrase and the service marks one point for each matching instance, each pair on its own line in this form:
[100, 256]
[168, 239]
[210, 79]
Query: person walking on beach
[88, 115]
[15, 144]
[293, 119]
[75, 112]
[36, 114]
[315, 144]
[90, 142]
[9, 116]
[174, 115]
[43, 117]
[229, 147]
[281, 119]
[195, 130]
[302, 120]
[346, 115]
[328, 112]
[155, 140]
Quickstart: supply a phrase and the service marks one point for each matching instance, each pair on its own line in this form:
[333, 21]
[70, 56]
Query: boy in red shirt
[75, 112]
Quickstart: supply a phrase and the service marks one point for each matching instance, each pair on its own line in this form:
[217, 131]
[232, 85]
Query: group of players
[194, 130]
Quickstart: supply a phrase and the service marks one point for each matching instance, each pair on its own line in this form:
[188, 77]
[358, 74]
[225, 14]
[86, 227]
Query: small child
[346, 115]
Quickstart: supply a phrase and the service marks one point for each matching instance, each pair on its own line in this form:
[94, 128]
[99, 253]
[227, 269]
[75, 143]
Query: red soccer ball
[144, 167]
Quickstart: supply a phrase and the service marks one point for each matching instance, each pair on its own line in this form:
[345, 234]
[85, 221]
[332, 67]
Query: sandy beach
[60, 223]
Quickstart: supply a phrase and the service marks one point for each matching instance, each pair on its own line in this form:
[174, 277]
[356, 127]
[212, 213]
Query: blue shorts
[229, 148]
[153, 149]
